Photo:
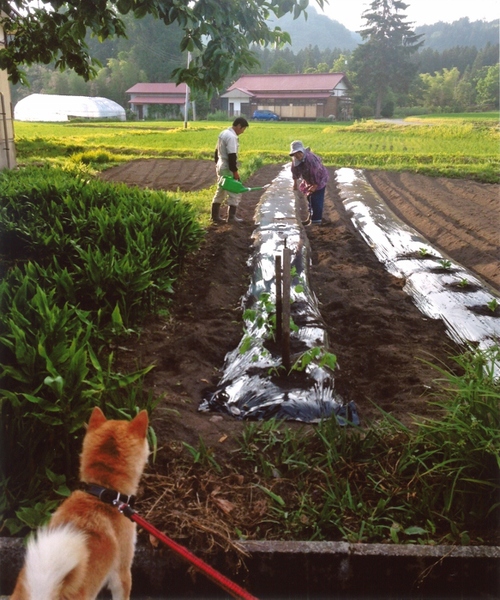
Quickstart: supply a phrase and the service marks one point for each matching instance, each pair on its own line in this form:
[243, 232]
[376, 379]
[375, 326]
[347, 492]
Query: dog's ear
[97, 418]
[139, 425]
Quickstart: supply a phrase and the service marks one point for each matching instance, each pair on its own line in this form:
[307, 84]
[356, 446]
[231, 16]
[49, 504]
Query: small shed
[300, 96]
[169, 95]
[54, 107]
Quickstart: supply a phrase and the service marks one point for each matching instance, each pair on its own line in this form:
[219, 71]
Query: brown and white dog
[88, 543]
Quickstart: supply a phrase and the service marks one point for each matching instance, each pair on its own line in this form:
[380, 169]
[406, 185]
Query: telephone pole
[186, 103]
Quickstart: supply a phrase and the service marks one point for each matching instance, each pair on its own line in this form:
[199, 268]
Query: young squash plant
[264, 316]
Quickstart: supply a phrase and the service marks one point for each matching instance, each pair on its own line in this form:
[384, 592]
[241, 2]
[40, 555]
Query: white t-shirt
[226, 144]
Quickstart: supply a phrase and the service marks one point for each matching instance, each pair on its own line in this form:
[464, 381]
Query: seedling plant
[493, 305]
[262, 320]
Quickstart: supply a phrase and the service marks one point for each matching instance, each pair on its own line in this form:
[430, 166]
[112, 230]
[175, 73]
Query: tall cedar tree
[382, 63]
[218, 33]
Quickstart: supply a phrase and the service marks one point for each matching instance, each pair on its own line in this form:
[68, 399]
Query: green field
[464, 146]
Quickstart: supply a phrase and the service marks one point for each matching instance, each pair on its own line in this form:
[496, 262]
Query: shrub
[220, 115]
[363, 112]
[118, 245]
[388, 109]
[82, 259]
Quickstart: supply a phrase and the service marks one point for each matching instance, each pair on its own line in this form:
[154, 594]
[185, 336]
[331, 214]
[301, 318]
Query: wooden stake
[287, 277]
[279, 298]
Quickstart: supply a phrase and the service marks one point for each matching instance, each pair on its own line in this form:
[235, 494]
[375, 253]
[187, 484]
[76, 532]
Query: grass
[434, 482]
[444, 146]
[485, 116]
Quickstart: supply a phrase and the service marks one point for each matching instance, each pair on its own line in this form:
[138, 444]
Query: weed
[202, 455]
[434, 482]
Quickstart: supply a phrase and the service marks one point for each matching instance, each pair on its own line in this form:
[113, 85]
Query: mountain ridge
[326, 33]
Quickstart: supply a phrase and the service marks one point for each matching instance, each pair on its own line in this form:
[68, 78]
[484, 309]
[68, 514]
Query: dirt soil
[374, 328]
[377, 333]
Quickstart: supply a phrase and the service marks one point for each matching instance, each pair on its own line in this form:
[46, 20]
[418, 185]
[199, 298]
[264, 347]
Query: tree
[440, 89]
[218, 33]
[282, 67]
[382, 64]
[487, 88]
[340, 64]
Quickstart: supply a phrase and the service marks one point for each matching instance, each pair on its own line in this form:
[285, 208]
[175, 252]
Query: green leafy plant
[84, 261]
[263, 315]
[107, 245]
[432, 482]
[202, 455]
[317, 354]
[493, 304]
[445, 264]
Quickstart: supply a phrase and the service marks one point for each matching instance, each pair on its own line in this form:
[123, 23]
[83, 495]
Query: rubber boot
[215, 214]
[231, 217]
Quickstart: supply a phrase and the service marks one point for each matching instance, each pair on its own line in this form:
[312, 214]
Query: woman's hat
[295, 147]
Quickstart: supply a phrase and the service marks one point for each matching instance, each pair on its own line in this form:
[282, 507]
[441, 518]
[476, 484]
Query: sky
[419, 12]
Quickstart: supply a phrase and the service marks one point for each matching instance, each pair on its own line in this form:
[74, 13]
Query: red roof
[157, 88]
[300, 82]
[297, 95]
[157, 100]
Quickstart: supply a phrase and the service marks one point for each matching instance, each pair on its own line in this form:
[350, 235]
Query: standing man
[309, 168]
[226, 157]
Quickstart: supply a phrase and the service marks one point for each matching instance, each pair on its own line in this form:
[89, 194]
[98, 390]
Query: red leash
[221, 580]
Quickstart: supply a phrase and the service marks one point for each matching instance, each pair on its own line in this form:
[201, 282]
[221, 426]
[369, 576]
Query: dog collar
[107, 495]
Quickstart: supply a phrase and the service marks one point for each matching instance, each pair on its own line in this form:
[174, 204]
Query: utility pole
[186, 103]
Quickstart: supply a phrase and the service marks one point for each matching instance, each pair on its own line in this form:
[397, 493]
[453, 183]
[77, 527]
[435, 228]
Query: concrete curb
[300, 570]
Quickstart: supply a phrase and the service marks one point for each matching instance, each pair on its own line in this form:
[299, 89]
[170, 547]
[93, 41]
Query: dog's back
[89, 544]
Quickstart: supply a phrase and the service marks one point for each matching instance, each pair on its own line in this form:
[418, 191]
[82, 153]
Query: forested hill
[323, 32]
[443, 36]
[317, 30]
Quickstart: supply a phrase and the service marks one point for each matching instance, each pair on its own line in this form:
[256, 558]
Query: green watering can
[231, 184]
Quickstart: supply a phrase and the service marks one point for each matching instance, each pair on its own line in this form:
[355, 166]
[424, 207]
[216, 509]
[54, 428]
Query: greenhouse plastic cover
[53, 107]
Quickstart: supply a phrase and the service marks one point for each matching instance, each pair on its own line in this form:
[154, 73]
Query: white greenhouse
[52, 107]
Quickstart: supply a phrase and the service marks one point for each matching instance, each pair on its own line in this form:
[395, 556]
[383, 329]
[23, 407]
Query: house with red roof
[143, 95]
[300, 96]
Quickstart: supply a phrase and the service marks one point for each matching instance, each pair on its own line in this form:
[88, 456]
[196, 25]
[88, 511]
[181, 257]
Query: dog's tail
[51, 557]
